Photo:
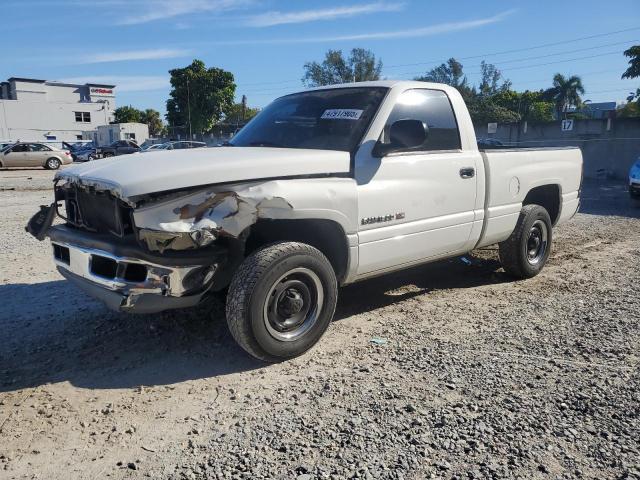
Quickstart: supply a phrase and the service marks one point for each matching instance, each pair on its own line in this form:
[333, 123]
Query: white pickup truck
[323, 188]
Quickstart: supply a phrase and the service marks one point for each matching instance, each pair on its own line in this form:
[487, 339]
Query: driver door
[16, 156]
[417, 204]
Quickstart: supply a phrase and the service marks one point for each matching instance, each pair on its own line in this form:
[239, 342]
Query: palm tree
[566, 92]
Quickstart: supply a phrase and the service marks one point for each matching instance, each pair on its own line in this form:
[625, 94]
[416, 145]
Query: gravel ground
[450, 370]
[27, 178]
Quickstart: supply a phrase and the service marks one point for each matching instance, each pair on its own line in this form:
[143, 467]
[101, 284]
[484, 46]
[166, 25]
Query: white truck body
[391, 211]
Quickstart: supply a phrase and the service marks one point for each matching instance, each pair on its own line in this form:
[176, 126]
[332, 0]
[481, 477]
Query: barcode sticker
[342, 114]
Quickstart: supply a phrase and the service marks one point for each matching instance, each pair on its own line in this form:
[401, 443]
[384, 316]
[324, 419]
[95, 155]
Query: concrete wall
[609, 147]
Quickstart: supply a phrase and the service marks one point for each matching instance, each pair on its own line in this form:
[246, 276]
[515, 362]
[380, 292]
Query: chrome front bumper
[130, 284]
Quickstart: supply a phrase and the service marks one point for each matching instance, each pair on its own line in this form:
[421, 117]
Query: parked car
[120, 147]
[323, 188]
[489, 143]
[181, 145]
[634, 180]
[74, 148]
[155, 146]
[34, 155]
[86, 154]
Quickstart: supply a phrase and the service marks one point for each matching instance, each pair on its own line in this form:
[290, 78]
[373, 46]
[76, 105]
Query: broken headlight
[157, 240]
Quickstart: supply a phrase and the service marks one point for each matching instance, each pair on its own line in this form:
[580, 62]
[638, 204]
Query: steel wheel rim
[537, 242]
[293, 304]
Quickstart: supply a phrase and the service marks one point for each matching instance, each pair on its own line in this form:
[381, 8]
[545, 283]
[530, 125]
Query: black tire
[260, 289]
[52, 163]
[518, 254]
[107, 154]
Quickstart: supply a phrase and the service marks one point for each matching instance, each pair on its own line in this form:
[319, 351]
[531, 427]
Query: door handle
[467, 172]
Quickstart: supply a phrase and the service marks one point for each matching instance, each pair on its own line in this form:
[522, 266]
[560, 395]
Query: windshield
[333, 119]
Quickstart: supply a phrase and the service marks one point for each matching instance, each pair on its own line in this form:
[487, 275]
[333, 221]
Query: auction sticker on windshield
[341, 114]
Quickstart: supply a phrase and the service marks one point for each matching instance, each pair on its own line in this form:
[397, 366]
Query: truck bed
[514, 176]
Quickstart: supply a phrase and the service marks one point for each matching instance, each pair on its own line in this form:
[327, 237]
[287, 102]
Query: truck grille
[94, 211]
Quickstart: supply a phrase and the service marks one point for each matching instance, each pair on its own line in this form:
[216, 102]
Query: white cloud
[437, 29]
[269, 19]
[125, 83]
[154, 10]
[127, 55]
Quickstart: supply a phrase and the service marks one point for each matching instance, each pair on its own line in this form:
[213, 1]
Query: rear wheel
[525, 252]
[52, 163]
[281, 300]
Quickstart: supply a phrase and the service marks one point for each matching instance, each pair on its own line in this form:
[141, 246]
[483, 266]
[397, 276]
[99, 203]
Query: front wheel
[52, 164]
[525, 252]
[281, 300]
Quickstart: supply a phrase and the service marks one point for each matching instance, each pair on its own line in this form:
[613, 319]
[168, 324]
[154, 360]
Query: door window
[23, 147]
[434, 109]
[38, 147]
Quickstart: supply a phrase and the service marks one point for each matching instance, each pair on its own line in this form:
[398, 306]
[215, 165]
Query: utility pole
[189, 109]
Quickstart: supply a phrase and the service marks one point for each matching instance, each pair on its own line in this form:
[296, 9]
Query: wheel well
[325, 235]
[547, 196]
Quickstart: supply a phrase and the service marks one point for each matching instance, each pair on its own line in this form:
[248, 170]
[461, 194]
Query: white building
[39, 110]
[107, 134]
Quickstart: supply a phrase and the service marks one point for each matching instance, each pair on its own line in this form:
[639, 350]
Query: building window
[130, 136]
[83, 117]
[50, 137]
[78, 137]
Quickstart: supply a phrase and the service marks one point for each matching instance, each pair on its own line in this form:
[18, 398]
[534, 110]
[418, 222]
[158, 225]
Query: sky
[265, 43]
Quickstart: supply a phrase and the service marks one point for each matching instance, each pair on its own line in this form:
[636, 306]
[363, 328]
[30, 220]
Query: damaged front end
[154, 252]
[200, 218]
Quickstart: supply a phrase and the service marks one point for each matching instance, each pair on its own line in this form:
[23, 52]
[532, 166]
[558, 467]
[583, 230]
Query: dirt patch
[470, 375]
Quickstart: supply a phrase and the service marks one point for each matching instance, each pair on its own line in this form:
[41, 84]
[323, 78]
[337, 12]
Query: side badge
[382, 219]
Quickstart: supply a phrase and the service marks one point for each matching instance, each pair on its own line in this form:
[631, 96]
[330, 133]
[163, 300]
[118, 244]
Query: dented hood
[138, 174]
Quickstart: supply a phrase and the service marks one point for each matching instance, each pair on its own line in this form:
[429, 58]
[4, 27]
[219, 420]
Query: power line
[531, 66]
[546, 45]
[523, 59]
[526, 49]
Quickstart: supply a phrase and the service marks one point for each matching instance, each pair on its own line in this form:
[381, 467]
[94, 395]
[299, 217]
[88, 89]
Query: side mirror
[403, 135]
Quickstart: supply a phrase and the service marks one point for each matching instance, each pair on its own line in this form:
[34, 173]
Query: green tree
[449, 73]
[528, 105]
[485, 110]
[634, 63]
[199, 96]
[127, 114]
[565, 93]
[490, 80]
[629, 110]
[152, 118]
[335, 68]
[234, 114]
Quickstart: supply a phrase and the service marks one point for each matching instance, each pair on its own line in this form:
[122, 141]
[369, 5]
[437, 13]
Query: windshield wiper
[264, 143]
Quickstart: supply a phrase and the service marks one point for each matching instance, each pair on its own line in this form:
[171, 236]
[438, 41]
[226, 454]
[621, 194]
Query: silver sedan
[34, 155]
